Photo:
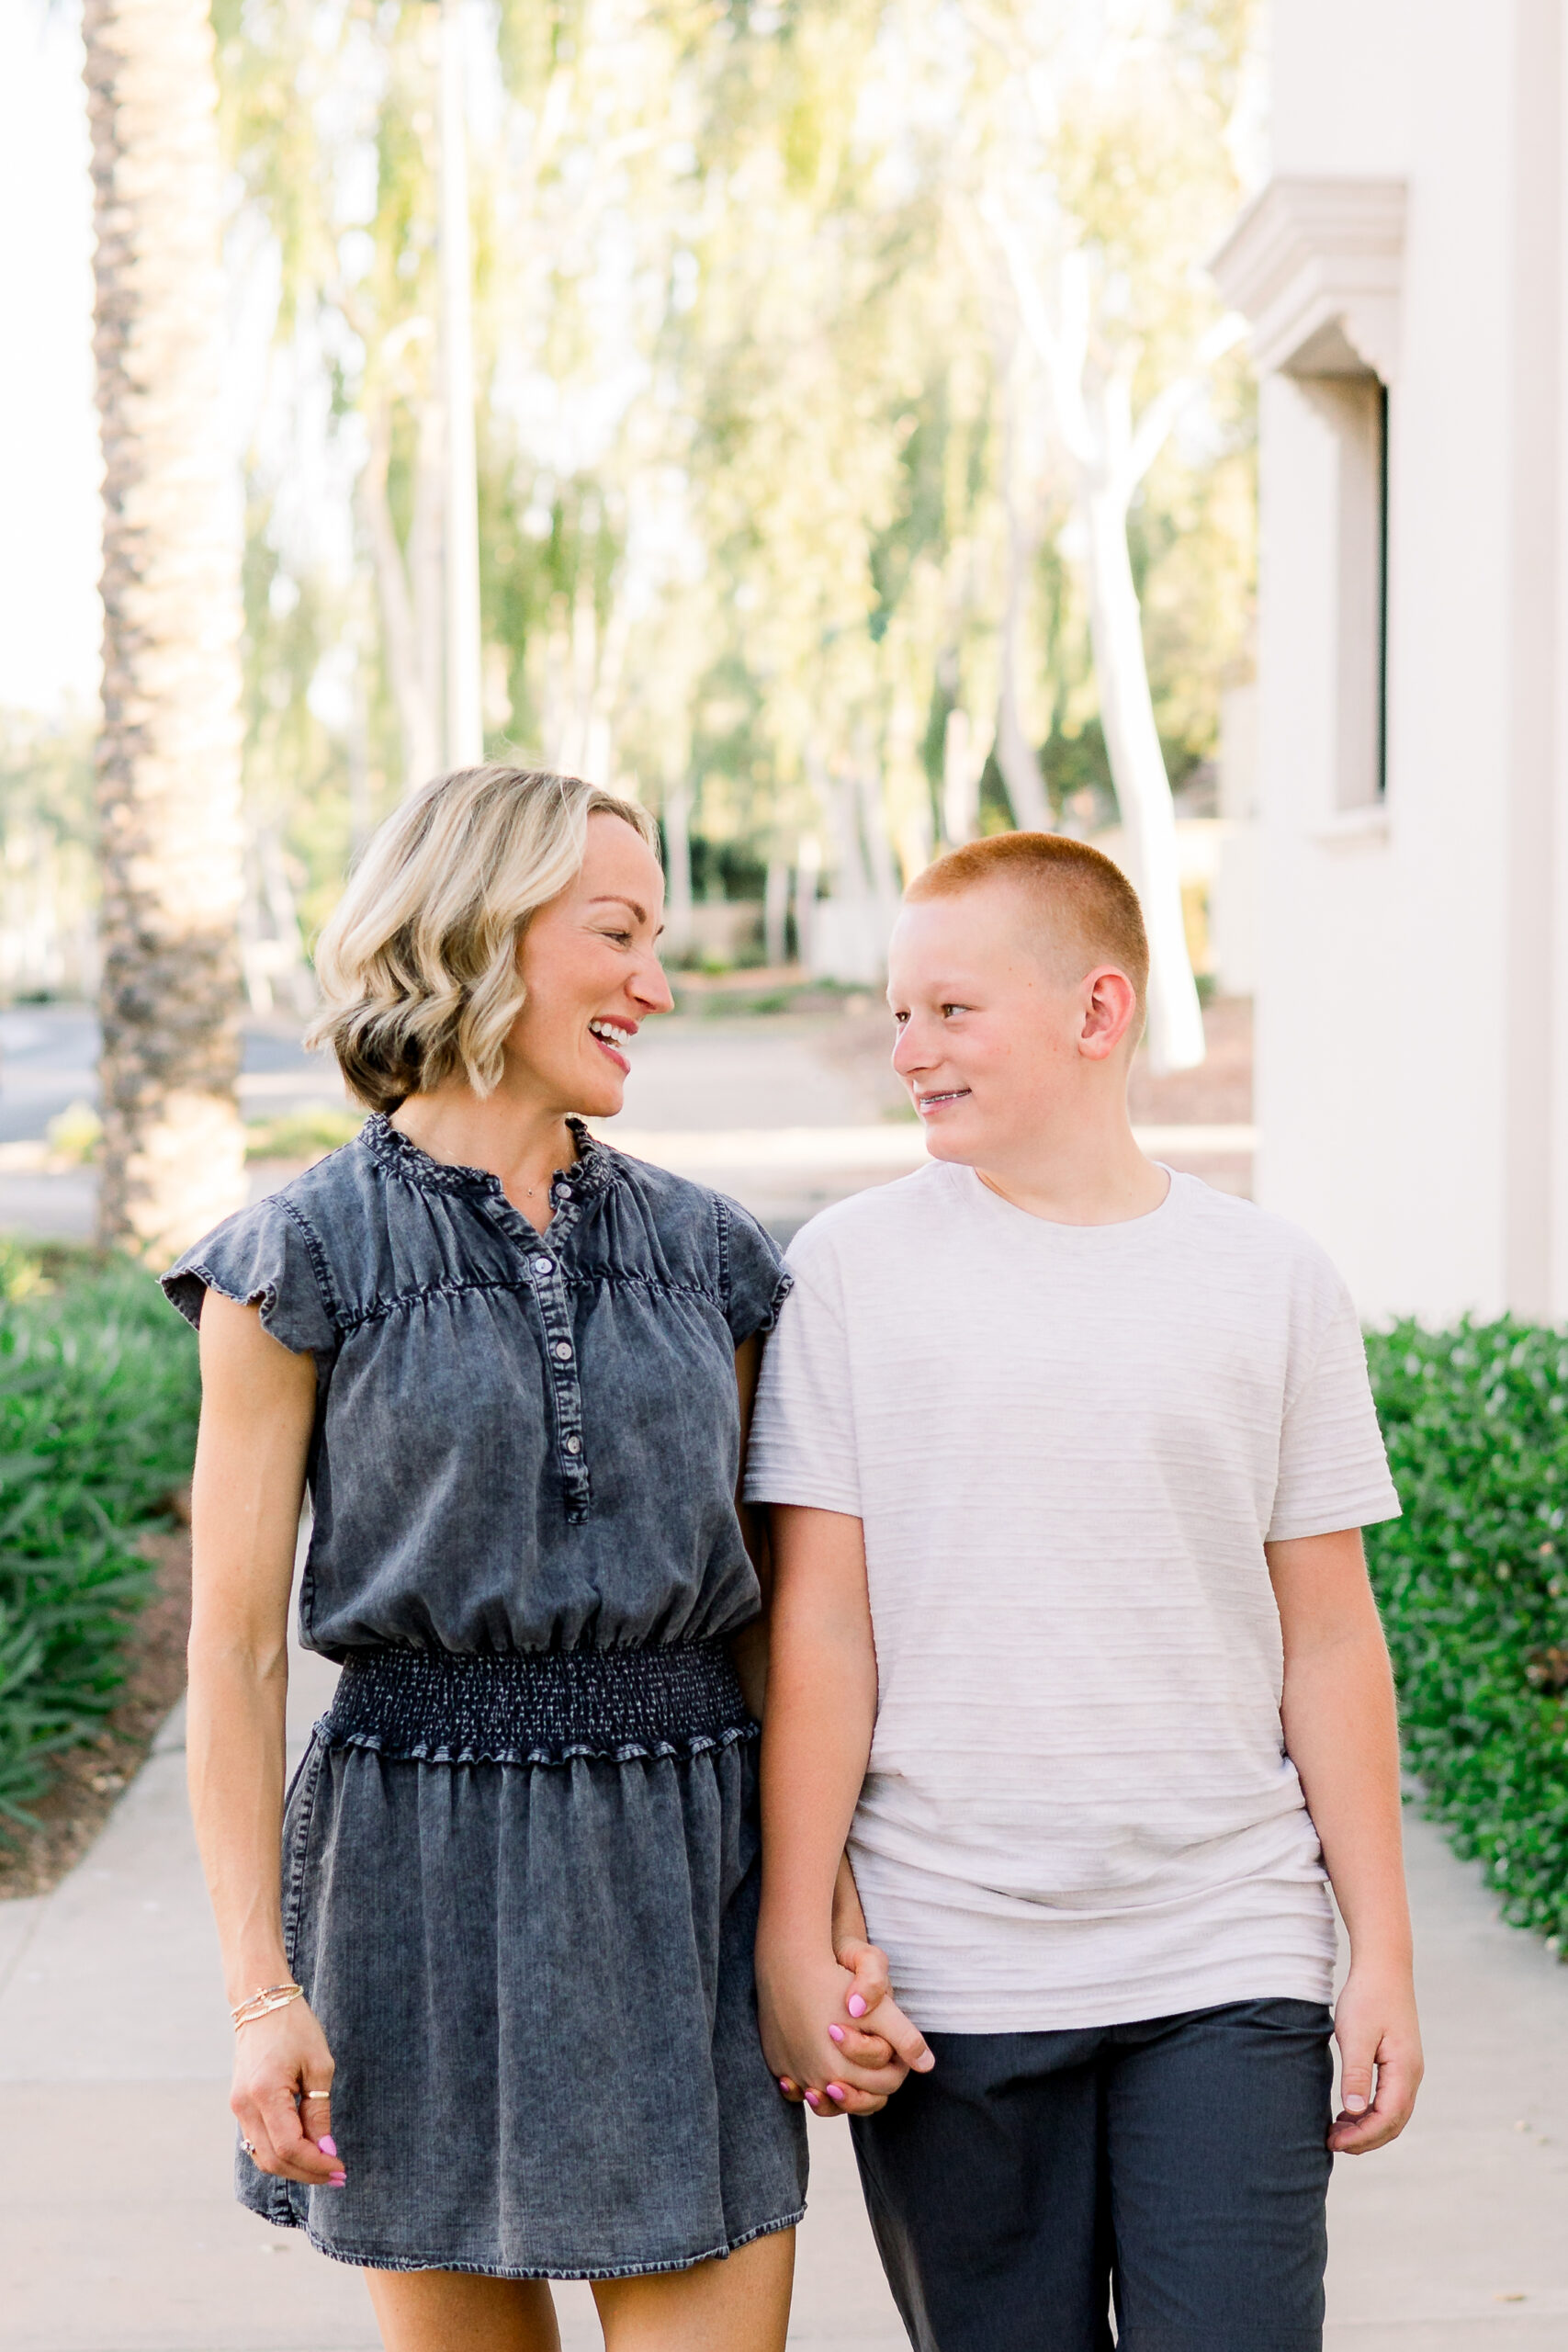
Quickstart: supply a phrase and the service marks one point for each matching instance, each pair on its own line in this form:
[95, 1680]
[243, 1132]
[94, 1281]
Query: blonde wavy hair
[418, 964]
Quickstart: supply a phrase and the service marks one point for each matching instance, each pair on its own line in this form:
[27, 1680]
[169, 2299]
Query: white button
[541, 1265]
[574, 1445]
[563, 1348]
[563, 1191]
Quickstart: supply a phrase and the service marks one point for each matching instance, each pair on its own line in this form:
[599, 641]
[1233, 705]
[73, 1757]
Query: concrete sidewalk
[117, 2231]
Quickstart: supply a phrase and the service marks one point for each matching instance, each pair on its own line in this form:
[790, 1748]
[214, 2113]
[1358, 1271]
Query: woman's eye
[621, 938]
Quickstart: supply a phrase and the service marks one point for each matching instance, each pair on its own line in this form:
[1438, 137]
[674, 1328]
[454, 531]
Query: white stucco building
[1403, 271]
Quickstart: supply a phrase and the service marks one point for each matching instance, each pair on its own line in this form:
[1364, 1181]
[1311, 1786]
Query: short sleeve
[1334, 1471]
[755, 1282]
[262, 1257]
[802, 1446]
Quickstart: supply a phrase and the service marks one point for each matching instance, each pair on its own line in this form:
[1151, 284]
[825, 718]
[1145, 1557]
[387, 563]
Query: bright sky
[50, 466]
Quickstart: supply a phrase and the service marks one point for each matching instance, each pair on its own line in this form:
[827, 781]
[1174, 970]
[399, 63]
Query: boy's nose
[908, 1054]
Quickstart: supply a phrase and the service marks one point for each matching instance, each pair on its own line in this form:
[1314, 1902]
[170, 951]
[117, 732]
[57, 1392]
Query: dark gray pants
[1178, 2165]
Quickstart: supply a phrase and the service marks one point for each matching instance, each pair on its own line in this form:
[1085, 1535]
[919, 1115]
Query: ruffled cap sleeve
[757, 1282]
[263, 1255]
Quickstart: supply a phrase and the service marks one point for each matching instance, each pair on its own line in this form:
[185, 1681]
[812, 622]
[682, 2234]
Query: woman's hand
[281, 2063]
[870, 2002]
[814, 2057]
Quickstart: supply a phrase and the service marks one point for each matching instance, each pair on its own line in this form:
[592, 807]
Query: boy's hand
[836, 2067]
[871, 2001]
[1375, 2026]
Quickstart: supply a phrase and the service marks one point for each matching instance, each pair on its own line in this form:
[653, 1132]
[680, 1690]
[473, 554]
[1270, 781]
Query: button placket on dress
[547, 1279]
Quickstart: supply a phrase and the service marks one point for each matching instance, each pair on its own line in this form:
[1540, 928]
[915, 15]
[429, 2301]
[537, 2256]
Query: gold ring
[305, 2095]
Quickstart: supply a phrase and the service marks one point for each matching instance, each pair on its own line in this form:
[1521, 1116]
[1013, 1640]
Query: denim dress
[520, 1860]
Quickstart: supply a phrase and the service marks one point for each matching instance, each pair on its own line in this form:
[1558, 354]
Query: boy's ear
[1110, 1008]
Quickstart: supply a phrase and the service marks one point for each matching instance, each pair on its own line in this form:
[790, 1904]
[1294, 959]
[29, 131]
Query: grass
[302, 1135]
[98, 1397]
[1474, 1586]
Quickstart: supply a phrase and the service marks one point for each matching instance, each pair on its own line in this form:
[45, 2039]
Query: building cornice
[1315, 264]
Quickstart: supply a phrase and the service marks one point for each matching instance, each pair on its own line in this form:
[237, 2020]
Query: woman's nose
[651, 989]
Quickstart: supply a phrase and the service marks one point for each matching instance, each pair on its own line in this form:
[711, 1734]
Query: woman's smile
[610, 1037]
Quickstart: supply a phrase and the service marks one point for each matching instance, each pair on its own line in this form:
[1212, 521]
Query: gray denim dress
[521, 1856]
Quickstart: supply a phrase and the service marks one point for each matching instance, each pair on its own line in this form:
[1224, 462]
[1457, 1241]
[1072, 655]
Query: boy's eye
[952, 1008]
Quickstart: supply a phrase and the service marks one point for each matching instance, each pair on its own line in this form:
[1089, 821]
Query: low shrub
[302, 1135]
[1474, 1586]
[98, 1396]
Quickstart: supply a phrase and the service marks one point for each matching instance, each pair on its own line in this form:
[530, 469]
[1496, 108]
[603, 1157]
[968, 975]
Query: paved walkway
[118, 2232]
[768, 1108]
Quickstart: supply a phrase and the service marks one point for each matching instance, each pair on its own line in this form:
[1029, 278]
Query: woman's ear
[1111, 1007]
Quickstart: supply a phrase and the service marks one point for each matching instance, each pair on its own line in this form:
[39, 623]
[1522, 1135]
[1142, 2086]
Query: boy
[1071, 1634]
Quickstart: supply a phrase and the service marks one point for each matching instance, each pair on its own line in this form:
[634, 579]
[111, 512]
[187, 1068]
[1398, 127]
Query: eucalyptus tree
[1104, 173]
[169, 754]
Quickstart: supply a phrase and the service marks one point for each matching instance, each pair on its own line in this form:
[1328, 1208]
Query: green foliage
[756, 434]
[48, 886]
[1474, 1586]
[302, 1135]
[98, 1394]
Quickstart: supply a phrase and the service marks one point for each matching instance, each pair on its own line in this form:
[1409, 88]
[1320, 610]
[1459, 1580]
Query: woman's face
[590, 962]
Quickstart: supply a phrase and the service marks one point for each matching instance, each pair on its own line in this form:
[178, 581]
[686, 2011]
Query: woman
[502, 2028]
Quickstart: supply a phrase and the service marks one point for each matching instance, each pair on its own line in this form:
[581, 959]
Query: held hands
[1375, 2026]
[853, 2063]
[280, 2062]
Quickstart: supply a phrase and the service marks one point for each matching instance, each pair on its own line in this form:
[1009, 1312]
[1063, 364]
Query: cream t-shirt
[1068, 1445]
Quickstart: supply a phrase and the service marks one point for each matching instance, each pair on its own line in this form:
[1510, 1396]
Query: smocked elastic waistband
[539, 1707]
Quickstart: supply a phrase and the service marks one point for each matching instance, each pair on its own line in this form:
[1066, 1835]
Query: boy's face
[996, 1036]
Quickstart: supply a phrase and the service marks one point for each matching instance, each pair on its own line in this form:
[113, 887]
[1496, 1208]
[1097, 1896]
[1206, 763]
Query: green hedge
[1474, 1586]
[98, 1396]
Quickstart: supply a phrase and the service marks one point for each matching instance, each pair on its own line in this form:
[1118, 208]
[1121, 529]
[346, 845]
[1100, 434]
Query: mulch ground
[88, 1780]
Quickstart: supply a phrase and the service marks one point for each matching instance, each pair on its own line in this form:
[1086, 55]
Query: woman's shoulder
[268, 1255]
[713, 1240]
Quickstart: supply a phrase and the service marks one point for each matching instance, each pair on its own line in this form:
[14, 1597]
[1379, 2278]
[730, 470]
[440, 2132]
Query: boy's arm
[1341, 1734]
[816, 1740]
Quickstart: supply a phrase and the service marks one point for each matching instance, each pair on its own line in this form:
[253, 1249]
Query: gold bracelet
[262, 2004]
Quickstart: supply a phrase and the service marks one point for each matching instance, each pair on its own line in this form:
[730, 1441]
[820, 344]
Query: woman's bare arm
[258, 1408]
[1342, 1734]
[748, 1648]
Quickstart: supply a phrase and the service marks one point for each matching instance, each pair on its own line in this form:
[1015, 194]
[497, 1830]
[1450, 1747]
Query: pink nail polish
[855, 2006]
[784, 2082]
[327, 2144]
[813, 2100]
[835, 2033]
[337, 2180]
[836, 2090]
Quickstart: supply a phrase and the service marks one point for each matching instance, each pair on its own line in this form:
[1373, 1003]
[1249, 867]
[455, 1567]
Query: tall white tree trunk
[464, 746]
[169, 754]
[409, 589]
[678, 862]
[1137, 769]
[1094, 418]
[1016, 757]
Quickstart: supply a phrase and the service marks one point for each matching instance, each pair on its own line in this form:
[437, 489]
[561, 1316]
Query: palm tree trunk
[169, 754]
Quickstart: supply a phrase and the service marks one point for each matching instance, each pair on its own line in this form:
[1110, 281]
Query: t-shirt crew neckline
[971, 1193]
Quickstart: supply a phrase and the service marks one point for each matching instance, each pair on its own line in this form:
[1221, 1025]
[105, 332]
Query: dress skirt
[535, 1978]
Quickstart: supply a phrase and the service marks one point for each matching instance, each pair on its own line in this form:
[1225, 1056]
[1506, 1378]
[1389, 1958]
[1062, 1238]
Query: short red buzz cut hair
[1086, 904]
